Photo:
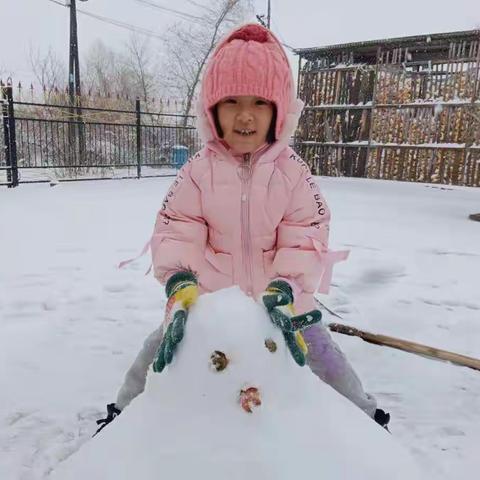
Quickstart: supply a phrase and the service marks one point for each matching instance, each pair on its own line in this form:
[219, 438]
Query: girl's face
[245, 122]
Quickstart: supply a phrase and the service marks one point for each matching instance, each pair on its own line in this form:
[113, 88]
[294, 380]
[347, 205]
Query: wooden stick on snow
[407, 346]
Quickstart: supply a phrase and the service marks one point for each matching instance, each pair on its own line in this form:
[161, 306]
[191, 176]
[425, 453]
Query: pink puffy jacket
[246, 220]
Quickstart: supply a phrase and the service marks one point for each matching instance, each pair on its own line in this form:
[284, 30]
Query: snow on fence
[402, 109]
[51, 142]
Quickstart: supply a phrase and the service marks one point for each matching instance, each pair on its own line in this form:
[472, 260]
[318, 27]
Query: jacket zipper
[245, 221]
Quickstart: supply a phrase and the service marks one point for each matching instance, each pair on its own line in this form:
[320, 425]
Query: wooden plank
[318, 88]
[397, 93]
[323, 99]
[355, 91]
[426, 125]
[402, 156]
[336, 87]
[448, 75]
[328, 76]
[454, 73]
[474, 119]
[347, 87]
[405, 130]
[423, 165]
[374, 101]
[476, 154]
[386, 164]
[439, 82]
[333, 82]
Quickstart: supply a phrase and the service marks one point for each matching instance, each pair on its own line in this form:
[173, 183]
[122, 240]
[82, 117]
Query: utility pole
[268, 14]
[260, 18]
[74, 90]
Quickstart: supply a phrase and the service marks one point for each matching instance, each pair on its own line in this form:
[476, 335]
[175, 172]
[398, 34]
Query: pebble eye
[271, 345]
[218, 361]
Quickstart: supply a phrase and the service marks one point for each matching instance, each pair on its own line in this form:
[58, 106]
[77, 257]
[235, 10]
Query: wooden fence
[402, 109]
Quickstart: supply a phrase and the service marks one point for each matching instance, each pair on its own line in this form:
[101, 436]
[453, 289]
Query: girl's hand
[182, 293]
[278, 300]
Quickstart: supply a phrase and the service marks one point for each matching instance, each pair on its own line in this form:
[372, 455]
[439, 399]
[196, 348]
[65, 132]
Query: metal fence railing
[45, 143]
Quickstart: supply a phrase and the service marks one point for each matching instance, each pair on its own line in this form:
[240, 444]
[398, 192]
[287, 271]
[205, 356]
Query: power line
[183, 15]
[260, 18]
[117, 23]
[127, 26]
[200, 6]
[281, 37]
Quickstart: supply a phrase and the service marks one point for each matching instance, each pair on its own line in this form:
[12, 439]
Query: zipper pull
[245, 168]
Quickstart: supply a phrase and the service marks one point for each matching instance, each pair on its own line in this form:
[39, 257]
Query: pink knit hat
[249, 61]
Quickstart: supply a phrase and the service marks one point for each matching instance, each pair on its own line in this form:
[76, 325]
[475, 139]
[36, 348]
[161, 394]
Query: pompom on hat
[249, 61]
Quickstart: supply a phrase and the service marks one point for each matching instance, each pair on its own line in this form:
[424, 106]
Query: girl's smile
[245, 122]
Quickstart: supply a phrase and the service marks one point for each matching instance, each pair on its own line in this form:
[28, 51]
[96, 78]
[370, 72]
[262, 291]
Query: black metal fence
[50, 143]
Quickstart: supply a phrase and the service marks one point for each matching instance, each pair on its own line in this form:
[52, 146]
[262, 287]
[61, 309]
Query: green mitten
[278, 300]
[182, 292]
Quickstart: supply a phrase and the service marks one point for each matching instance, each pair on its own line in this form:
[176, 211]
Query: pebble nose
[249, 398]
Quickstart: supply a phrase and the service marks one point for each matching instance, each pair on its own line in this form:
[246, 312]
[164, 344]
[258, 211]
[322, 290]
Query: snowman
[234, 405]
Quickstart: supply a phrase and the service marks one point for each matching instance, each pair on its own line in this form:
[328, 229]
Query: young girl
[245, 210]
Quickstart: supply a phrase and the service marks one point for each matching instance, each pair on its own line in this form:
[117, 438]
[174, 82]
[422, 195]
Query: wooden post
[139, 137]
[373, 109]
[470, 134]
[296, 145]
[10, 136]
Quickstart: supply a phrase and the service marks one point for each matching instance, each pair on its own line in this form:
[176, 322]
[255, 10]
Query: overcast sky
[300, 23]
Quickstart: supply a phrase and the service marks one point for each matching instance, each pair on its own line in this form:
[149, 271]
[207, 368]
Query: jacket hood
[249, 61]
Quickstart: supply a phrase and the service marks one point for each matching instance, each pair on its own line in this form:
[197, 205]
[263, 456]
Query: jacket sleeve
[180, 234]
[302, 255]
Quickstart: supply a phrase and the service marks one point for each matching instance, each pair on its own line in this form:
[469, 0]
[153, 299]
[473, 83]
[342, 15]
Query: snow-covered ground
[54, 175]
[71, 322]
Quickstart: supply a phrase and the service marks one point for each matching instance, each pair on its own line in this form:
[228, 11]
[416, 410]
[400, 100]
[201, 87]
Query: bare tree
[5, 77]
[138, 71]
[130, 72]
[101, 69]
[49, 70]
[139, 63]
[188, 46]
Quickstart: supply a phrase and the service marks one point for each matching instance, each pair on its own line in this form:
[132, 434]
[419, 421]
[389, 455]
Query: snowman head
[231, 355]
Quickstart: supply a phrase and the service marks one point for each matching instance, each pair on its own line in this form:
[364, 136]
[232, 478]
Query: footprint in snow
[15, 417]
[382, 276]
[373, 278]
[105, 318]
[361, 247]
[450, 304]
[452, 431]
[436, 251]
